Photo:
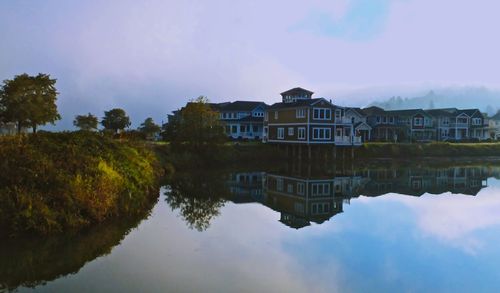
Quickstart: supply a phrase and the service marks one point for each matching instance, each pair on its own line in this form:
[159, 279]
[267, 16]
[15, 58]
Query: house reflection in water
[302, 199]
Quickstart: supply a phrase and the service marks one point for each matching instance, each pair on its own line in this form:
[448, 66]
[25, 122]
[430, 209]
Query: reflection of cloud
[455, 219]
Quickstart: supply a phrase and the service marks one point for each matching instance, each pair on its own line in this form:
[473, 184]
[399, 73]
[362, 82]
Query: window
[243, 128]
[320, 189]
[234, 129]
[446, 121]
[290, 131]
[384, 119]
[258, 114]
[300, 188]
[378, 119]
[391, 120]
[476, 121]
[266, 116]
[281, 133]
[339, 132]
[320, 208]
[279, 184]
[275, 115]
[418, 121]
[322, 133]
[301, 133]
[265, 130]
[322, 114]
[300, 113]
[338, 114]
[289, 188]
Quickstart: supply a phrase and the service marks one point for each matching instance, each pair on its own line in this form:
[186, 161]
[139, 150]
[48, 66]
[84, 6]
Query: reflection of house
[300, 119]
[245, 187]
[10, 128]
[302, 200]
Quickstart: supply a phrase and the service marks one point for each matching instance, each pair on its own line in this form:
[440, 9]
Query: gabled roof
[295, 91]
[469, 112]
[358, 110]
[298, 103]
[246, 106]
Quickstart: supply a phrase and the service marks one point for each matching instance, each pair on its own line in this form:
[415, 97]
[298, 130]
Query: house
[7, 128]
[494, 126]
[358, 119]
[456, 124]
[243, 119]
[399, 125]
[301, 119]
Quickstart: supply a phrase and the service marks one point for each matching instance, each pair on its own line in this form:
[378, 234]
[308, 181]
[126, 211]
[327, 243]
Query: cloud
[150, 56]
[362, 20]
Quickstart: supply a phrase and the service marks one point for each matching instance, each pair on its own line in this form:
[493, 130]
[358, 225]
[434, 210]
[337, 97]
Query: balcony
[343, 120]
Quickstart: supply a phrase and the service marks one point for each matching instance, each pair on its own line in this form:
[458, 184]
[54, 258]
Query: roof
[439, 112]
[251, 119]
[373, 110]
[242, 106]
[408, 112]
[298, 103]
[358, 110]
[295, 91]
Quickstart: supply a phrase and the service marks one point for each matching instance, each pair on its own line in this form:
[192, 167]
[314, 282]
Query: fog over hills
[485, 99]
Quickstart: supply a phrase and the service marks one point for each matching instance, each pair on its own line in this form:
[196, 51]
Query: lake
[321, 227]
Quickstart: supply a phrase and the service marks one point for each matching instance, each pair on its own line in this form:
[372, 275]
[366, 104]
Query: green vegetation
[57, 182]
[149, 128]
[29, 101]
[196, 129]
[436, 149]
[115, 120]
[87, 122]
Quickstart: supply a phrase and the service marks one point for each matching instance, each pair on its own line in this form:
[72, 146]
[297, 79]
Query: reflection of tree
[31, 262]
[198, 196]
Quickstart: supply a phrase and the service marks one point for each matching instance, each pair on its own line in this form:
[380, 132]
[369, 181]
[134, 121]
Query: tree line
[30, 101]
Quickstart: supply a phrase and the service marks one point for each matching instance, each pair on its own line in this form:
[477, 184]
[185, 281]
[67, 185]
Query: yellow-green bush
[52, 182]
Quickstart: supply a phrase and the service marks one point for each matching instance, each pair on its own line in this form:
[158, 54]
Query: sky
[149, 57]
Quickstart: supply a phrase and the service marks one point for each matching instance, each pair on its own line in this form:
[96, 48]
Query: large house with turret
[301, 119]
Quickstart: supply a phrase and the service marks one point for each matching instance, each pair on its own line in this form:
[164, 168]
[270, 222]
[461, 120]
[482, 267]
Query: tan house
[300, 119]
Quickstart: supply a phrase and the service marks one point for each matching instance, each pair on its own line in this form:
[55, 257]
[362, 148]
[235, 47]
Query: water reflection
[316, 192]
[30, 262]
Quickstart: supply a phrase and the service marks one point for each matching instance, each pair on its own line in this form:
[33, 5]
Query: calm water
[295, 228]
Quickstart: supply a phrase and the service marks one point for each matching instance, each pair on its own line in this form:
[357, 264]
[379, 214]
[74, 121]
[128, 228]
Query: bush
[53, 182]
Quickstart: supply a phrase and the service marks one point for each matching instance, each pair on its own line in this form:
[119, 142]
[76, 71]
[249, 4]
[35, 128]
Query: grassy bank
[55, 182]
[437, 149]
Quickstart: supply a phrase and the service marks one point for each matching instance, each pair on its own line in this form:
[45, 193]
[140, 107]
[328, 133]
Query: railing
[348, 140]
[343, 120]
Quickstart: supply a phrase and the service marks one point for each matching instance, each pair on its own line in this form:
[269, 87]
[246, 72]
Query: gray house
[243, 119]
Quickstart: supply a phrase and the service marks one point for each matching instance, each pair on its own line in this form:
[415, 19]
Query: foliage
[149, 128]
[29, 101]
[86, 122]
[55, 182]
[197, 128]
[115, 120]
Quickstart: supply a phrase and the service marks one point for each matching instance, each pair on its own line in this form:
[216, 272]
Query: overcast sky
[150, 56]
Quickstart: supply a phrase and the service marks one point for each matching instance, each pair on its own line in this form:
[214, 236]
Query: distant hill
[482, 98]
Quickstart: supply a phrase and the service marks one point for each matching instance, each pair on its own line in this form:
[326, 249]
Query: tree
[149, 127]
[196, 128]
[115, 119]
[29, 101]
[86, 122]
